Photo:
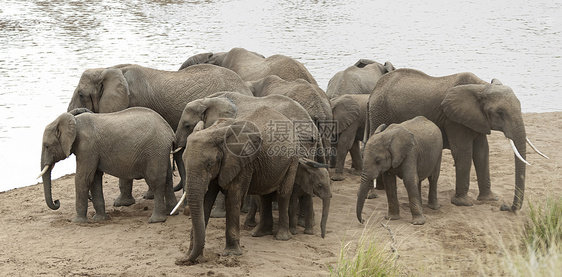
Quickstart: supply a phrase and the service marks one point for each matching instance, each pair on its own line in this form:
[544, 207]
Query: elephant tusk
[537, 150]
[43, 172]
[179, 202]
[517, 152]
[177, 150]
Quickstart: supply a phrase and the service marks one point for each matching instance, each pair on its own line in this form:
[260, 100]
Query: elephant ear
[66, 132]
[496, 82]
[240, 143]
[219, 107]
[346, 111]
[389, 67]
[463, 104]
[303, 176]
[196, 59]
[114, 92]
[401, 144]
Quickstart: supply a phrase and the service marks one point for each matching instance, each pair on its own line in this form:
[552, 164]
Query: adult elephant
[310, 96]
[359, 78]
[105, 90]
[239, 156]
[466, 109]
[252, 66]
[350, 112]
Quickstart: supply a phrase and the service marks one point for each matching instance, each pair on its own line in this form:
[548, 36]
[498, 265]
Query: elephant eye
[500, 113]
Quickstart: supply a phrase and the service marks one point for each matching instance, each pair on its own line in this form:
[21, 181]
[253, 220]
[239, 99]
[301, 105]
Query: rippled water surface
[46, 45]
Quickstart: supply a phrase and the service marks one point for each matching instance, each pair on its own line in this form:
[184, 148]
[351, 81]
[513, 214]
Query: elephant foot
[357, 172]
[309, 231]
[372, 194]
[218, 213]
[434, 206]
[185, 261]
[178, 187]
[232, 250]
[148, 195]
[80, 219]
[461, 200]
[392, 216]
[100, 217]
[293, 230]
[260, 231]
[124, 201]
[490, 196]
[250, 221]
[338, 177]
[157, 218]
[418, 219]
[283, 234]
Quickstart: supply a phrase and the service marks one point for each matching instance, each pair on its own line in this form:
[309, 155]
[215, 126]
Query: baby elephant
[311, 178]
[410, 150]
[131, 144]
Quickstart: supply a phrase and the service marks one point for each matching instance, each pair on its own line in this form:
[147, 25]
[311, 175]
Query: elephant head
[208, 110]
[220, 58]
[386, 149]
[215, 154]
[58, 140]
[313, 178]
[486, 107]
[101, 90]
[386, 68]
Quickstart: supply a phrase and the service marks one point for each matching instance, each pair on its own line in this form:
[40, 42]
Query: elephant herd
[242, 124]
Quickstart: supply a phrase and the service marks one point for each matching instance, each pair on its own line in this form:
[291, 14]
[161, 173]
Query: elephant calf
[131, 144]
[410, 150]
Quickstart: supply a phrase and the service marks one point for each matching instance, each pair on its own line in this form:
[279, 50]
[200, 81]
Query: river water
[46, 45]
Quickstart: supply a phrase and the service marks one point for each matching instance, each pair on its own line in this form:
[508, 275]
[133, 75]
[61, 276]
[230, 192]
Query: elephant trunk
[365, 186]
[195, 200]
[47, 188]
[325, 211]
[521, 146]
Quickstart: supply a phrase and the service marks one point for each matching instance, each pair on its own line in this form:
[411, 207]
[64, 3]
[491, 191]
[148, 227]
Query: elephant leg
[181, 169]
[284, 192]
[246, 205]
[356, 160]
[82, 182]
[157, 185]
[213, 191]
[308, 209]
[391, 196]
[252, 209]
[345, 142]
[234, 197]
[125, 197]
[169, 196]
[412, 184]
[265, 225]
[480, 157]
[97, 197]
[433, 178]
[461, 148]
[293, 212]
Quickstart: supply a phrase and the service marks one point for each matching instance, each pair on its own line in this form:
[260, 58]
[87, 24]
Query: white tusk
[179, 202]
[536, 150]
[177, 150]
[517, 152]
[43, 172]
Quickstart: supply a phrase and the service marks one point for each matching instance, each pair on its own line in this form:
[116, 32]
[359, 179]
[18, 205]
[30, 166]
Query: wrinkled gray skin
[350, 112]
[466, 109]
[359, 78]
[311, 178]
[410, 150]
[231, 105]
[252, 66]
[310, 96]
[214, 165]
[131, 144]
[104, 90]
